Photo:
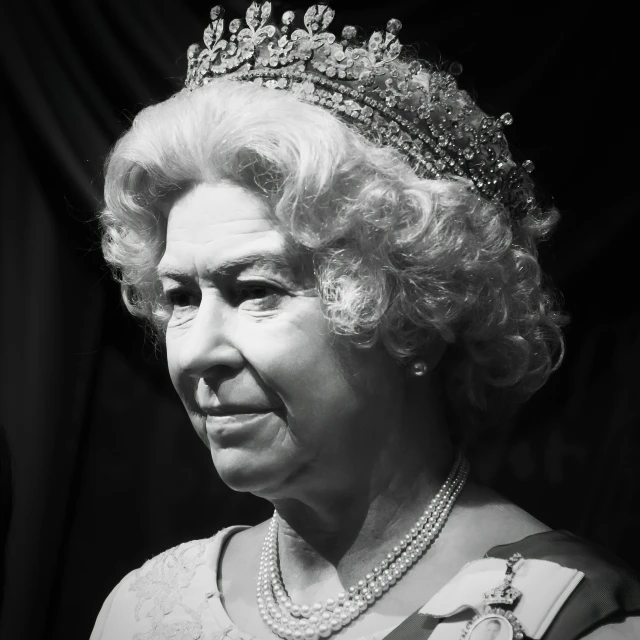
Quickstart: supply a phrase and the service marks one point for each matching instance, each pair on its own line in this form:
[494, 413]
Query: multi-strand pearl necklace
[310, 622]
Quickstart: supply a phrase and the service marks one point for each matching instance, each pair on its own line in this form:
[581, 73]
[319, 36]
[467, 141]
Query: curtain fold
[47, 363]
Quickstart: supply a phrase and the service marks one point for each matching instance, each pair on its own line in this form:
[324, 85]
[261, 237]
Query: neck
[334, 535]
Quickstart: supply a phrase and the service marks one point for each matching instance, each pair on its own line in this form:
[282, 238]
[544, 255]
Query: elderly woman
[339, 253]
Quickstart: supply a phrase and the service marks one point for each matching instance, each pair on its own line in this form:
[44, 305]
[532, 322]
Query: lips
[231, 429]
[222, 411]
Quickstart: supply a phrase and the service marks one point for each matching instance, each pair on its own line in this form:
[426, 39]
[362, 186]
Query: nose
[207, 349]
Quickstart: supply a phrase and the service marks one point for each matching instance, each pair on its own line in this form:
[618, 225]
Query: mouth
[224, 411]
[227, 428]
[240, 416]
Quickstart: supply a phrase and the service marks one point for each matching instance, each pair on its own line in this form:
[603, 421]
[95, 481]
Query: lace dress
[175, 596]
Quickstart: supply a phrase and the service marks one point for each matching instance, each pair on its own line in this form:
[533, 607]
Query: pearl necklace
[291, 621]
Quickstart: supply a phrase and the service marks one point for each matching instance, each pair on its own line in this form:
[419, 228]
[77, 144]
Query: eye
[178, 298]
[260, 294]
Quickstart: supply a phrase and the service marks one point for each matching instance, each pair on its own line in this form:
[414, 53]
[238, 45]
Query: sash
[551, 601]
[478, 603]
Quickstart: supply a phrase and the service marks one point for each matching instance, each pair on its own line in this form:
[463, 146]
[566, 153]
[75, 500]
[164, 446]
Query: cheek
[296, 358]
[182, 383]
[323, 393]
[172, 351]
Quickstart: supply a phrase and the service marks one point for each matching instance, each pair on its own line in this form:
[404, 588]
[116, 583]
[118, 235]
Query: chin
[248, 473]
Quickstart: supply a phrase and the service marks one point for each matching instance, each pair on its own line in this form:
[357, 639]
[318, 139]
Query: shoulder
[603, 570]
[239, 562]
[606, 601]
[243, 549]
[627, 629]
[175, 566]
[493, 519]
[549, 602]
[164, 595]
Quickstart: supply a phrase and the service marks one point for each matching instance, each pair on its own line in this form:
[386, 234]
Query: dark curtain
[106, 470]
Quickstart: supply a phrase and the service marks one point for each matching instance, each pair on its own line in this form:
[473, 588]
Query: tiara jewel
[435, 126]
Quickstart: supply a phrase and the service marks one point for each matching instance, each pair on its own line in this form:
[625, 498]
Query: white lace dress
[175, 596]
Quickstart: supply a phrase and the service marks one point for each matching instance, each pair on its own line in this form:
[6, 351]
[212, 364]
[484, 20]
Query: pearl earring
[418, 368]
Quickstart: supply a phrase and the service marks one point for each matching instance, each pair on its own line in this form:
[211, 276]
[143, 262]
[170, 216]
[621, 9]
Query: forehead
[216, 223]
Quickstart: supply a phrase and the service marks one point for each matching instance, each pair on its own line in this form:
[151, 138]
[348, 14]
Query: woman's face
[277, 398]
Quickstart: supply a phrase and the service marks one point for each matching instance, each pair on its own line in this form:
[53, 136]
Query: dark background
[107, 470]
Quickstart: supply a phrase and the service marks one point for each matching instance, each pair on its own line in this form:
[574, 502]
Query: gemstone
[193, 50]
[393, 26]
[506, 119]
[216, 12]
[349, 32]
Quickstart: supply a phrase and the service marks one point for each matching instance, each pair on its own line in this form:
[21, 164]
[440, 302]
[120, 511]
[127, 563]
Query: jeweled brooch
[495, 622]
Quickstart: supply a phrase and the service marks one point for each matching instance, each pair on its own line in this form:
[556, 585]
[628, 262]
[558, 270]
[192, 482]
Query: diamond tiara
[434, 124]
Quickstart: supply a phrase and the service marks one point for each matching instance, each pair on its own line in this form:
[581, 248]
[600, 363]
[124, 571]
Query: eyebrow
[230, 266]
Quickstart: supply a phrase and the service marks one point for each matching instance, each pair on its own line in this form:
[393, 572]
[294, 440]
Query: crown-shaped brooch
[434, 124]
[502, 595]
[505, 593]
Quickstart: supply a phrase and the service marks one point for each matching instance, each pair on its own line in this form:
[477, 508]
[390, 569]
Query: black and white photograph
[319, 320]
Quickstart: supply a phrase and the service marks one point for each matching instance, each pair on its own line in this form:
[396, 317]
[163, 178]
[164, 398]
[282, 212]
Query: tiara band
[437, 129]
